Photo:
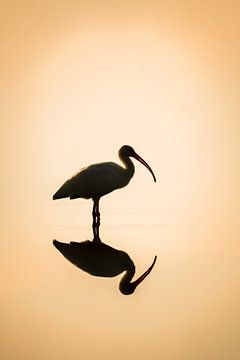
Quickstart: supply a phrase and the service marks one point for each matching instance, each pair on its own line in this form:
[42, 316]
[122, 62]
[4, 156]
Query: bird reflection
[99, 259]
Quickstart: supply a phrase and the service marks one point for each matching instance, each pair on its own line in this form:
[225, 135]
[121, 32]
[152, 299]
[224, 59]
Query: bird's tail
[59, 195]
[60, 246]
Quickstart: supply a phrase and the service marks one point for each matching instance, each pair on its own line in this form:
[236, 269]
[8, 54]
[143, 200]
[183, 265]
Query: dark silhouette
[99, 259]
[100, 179]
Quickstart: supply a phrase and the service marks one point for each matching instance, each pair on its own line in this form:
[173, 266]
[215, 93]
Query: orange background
[78, 80]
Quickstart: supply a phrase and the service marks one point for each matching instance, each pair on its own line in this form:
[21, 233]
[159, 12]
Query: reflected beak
[137, 157]
[142, 277]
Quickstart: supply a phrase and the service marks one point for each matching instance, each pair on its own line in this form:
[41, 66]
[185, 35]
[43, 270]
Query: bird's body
[99, 259]
[94, 181]
[98, 180]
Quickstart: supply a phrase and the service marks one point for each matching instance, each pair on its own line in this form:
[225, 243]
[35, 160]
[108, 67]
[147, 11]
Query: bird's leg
[98, 217]
[96, 220]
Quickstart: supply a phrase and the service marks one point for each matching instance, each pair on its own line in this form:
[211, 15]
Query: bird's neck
[129, 167]
[126, 279]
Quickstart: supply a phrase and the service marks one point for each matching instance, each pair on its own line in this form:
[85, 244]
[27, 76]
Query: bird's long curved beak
[142, 277]
[137, 157]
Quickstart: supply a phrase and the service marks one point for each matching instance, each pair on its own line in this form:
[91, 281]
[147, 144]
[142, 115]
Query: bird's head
[127, 151]
[127, 290]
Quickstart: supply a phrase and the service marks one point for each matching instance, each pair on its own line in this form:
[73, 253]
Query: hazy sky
[78, 80]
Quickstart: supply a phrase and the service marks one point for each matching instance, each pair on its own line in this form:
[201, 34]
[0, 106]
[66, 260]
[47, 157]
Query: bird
[97, 180]
[99, 259]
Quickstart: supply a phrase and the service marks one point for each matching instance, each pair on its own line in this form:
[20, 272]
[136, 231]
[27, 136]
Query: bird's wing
[93, 181]
[98, 179]
[70, 186]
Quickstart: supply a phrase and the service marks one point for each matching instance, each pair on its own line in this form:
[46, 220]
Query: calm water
[51, 309]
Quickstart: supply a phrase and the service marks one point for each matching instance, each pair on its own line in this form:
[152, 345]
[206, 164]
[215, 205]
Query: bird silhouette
[98, 180]
[99, 259]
